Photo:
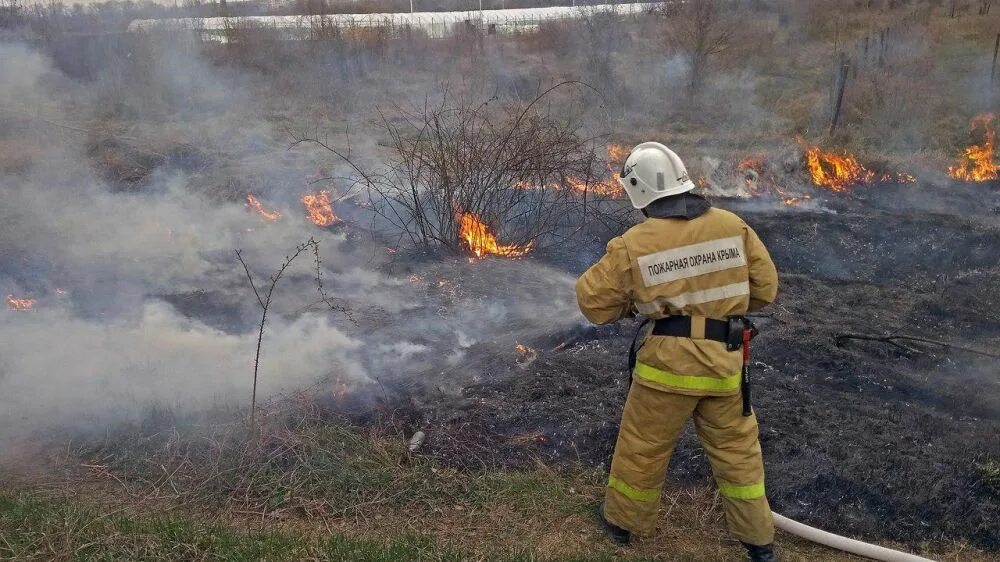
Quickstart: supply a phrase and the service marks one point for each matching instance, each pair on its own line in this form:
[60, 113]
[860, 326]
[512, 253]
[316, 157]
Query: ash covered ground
[865, 438]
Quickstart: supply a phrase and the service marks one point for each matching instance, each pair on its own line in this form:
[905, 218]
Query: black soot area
[872, 439]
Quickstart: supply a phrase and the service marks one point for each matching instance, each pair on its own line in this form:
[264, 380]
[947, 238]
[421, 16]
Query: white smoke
[59, 371]
[120, 326]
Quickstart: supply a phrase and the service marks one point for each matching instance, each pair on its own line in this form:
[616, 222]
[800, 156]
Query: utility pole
[411, 6]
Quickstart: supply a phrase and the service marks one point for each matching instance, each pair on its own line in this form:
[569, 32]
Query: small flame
[481, 242]
[255, 204]
[752, 167]
[978, 162]
[617, 154]
[319, 209]
[606, 188]
[19, 304]
[525, 355]
[796, 201]
[339, 388]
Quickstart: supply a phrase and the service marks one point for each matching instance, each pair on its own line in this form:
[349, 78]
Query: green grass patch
[34, 528]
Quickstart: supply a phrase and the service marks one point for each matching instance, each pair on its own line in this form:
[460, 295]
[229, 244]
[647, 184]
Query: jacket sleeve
[763, 274]
[604, 292]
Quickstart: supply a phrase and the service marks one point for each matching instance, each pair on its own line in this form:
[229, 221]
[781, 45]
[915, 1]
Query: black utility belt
[728, 331]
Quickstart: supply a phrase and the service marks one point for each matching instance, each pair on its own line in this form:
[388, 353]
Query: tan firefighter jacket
[710, 266]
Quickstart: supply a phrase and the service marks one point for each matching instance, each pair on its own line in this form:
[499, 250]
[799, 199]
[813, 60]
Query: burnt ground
[867, 439]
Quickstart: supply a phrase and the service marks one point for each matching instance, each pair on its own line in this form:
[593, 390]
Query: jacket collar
[684, 206]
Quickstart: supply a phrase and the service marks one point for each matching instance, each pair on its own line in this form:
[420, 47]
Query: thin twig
[892, 340]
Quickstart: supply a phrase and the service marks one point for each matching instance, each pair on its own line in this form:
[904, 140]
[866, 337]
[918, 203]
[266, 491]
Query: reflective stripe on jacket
[709, 266]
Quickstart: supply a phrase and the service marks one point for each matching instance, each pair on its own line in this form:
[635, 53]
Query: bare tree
[701, 29]
[11, 14]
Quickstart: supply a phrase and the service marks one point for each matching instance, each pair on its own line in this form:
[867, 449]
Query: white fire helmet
[652, 171]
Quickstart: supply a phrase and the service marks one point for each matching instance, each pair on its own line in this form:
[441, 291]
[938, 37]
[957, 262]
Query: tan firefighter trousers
[651, 424]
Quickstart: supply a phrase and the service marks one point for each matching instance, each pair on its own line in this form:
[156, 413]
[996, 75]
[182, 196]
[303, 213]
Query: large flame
[319, 209]
[978, 162]
[19, 304]
[255, 204]
[481, 242]
[841, 172]
[834, 171]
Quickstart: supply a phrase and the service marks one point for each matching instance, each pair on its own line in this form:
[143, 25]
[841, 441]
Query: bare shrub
[523, 170]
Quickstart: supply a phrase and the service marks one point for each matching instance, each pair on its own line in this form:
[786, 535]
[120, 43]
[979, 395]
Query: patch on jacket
[689, 261]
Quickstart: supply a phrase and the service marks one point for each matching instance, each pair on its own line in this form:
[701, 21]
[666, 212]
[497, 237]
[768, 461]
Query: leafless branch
[895, 339]
[266, 299]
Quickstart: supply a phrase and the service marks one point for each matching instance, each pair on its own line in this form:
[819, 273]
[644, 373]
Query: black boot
[761, 553]
[617, 534]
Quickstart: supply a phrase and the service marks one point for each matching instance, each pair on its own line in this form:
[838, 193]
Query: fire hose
[844, 544]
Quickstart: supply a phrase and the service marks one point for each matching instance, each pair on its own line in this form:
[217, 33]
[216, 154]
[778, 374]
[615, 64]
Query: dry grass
[303, 479]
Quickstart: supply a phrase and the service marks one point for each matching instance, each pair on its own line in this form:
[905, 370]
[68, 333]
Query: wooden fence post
[839, 100]
[996, 48]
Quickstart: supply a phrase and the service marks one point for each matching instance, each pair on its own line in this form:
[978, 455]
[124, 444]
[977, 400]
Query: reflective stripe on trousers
[688, 382]
[651, 425]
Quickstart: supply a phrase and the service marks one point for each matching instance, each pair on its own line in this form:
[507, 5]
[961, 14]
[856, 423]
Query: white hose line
[845, 544]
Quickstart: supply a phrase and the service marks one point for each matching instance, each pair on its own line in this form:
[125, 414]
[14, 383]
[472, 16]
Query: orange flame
[525, 355]
[255, 204]
[19, 304]
[481, 242]
[606, 188]
[977, 162]
[318, 208]
[617, 154]
[796, 201]
[752, 166]
[836, 172]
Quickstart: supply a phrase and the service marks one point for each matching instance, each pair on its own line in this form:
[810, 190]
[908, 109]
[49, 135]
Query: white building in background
[435, 24]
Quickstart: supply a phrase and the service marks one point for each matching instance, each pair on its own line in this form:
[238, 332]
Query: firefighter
[690, 268]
